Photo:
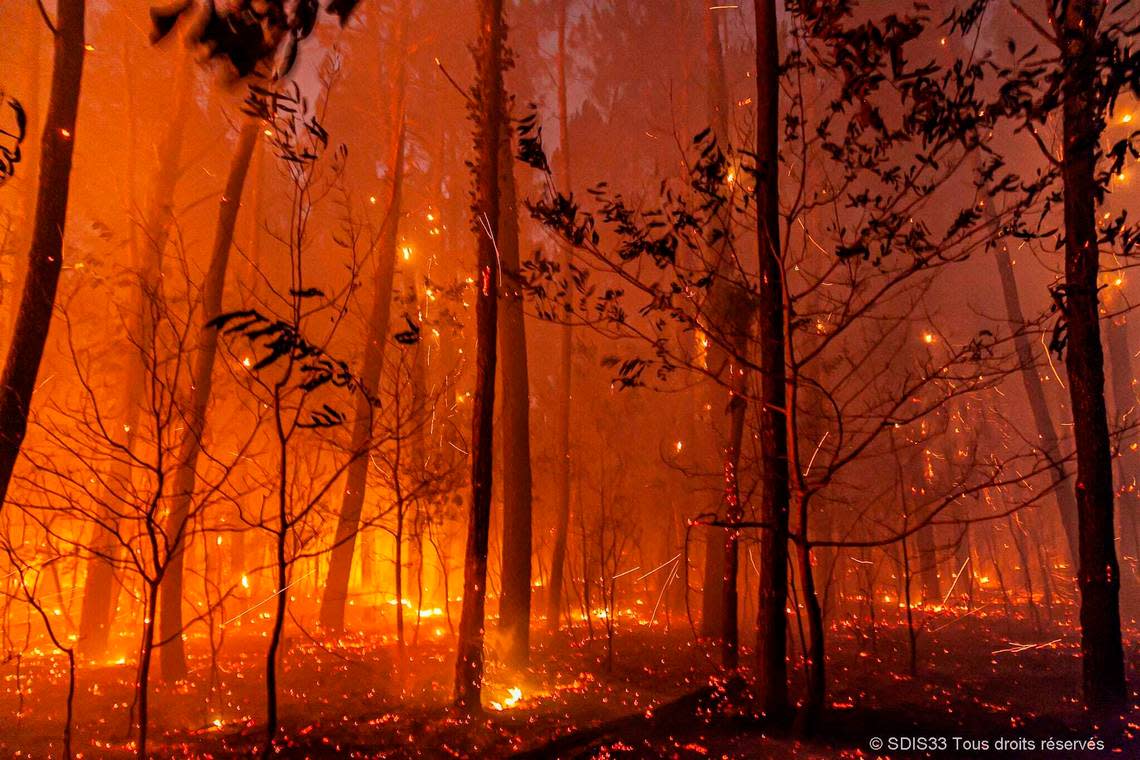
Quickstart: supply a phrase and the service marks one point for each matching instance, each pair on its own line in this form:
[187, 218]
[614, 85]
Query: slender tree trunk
[771, 645]
[356, 476]
[489, 136]
[1098, 574]
[557, 581]
[1035, 394]
[1127, 461]
[816, 662]
[734, 513]
[281, 565]
[100, 586]
[514, 604]
[173, 655]
[45, 257]
[719, 600]
[928, 564]
[401, 507]
[146, 653]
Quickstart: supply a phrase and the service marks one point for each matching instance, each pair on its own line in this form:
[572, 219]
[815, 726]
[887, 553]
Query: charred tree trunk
[146, 654]
[173, 654]
[1098, 573]
[281, 568]
[566, 355]
[489, 136]
[734, 513]
[771, 644]
[514, 605]
[45, 256]
[1035, 394]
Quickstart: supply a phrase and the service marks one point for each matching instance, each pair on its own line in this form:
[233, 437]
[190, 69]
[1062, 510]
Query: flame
[514, 696]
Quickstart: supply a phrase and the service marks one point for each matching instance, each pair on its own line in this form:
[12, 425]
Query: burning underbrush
[980, 676]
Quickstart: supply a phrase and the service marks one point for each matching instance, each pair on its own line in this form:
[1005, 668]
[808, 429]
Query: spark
[816, 452]
[1049, 358]
[960, 617]
[665, 585]
[663, 564]
[485, 223]
[1016, 648]
[266, 599]
[955, 583]
[625, 572]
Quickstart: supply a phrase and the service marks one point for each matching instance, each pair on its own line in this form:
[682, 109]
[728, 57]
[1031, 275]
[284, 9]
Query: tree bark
[489, 135]
[1098, 574]
[356, 477]
[514, 604]
[771, 645]
[45, 256]
[566, 355]
[172, 655]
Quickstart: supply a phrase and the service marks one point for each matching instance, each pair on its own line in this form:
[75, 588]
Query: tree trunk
[489, 136]
[142, 684]
[734, 513]
[45, 256]
[356, 476]
[281, 566]
[566, 353]
[1098, 574]
[514, 604]
[100, 584]
[816, 660]
[172, 655]
[1127, 461]
[928, 564]
[771, 644]
[719, 594]
[1035, 393]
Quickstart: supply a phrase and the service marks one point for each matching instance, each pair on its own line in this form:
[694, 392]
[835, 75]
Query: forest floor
[982, 676]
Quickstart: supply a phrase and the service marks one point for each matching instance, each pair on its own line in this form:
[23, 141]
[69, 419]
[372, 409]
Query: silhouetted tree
[45, 258]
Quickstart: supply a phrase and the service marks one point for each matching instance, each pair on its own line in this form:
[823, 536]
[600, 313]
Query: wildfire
[514, 696]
